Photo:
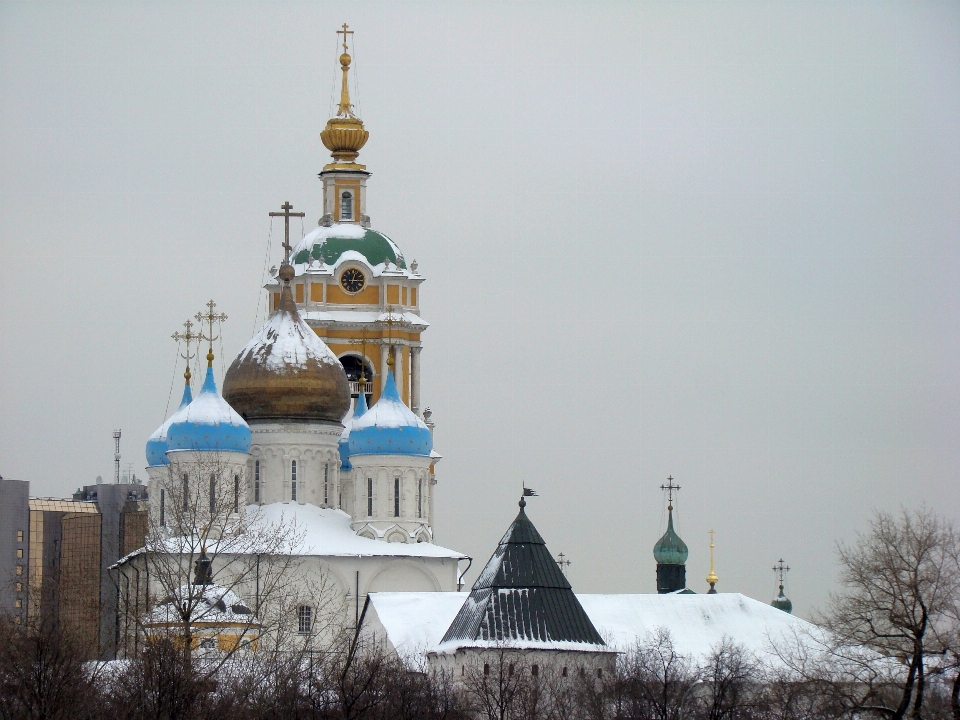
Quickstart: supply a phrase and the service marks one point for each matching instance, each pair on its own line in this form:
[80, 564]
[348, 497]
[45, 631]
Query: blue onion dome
[389, 427]
[344, 444]
[208, 423]
[286, 373]
[157, 444]
[670, 549]
[782, 602]
[329, 243]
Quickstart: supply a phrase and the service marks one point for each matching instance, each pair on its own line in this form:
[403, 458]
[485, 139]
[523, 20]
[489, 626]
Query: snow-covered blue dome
[344, 445]
[389, 428]
[157, 444]
[208, 423]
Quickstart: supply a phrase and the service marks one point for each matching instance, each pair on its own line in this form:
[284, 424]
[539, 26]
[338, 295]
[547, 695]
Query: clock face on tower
[352, 280]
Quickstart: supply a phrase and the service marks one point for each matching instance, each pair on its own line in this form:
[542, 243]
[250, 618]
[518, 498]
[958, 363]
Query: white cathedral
[320, 424]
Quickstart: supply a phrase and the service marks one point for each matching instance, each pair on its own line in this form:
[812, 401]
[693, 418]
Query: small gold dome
[287, 373]
[343, 137]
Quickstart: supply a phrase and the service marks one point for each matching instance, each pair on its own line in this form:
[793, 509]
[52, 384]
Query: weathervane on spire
[670, 488]
[187, 337]
[210, 317]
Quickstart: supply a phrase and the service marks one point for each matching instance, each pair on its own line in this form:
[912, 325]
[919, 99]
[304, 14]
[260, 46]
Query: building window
[564, 671]
[599, 672]
[396, 497]
[19, 553]
[486, 668]
[19, 569]
[346, 206]
[163, 507]
[236, 493]
[326, 480]
[19, 587]
[19, 603]
[293, 480]
[19, 535]
[511, 669]
[208, 643]
[369, 497]
[213, 494]
[420, 498]
[256, 481]
[304, 619]
[186, 493]
[534, 669]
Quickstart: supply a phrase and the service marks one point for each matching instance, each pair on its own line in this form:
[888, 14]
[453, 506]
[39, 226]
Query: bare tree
[886, 629]
[42, 673]
[215, 572]
[730, 675]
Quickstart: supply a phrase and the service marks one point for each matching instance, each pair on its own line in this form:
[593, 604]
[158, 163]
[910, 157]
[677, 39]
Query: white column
[415, 378]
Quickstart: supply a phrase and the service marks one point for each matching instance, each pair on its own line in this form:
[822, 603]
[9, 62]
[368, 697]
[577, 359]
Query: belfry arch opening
[355, 366]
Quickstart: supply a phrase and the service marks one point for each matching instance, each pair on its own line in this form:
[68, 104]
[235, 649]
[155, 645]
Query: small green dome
[329, 243]
[782, 602]
[670, 549]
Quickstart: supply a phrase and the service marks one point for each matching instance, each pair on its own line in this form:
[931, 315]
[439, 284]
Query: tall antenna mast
[116, 456]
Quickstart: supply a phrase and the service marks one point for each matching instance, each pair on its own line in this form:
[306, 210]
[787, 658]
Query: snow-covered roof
[362, 317]
[211, 604]
[415, 622]
[327, 532]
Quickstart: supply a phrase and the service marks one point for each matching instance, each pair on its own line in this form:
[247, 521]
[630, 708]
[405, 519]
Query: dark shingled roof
[522, 595]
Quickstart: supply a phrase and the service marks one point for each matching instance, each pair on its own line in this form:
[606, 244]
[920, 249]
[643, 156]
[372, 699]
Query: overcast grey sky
[718, 240]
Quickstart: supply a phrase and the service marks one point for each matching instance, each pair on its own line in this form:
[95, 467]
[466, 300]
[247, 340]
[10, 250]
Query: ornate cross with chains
[345, 32]
[781, 570]
[286, 215]
[210, 317]
[187, 337]
[670, 488]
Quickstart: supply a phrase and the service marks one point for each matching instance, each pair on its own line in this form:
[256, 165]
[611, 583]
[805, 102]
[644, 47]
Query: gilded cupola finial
[188, 337]
[344, 134]
[712, 578]
[210, 317]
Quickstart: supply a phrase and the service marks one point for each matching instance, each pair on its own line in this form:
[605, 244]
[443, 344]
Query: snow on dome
[157, 444]
[208, 423]
[389, 428]
[330, 243]
[212, 604]
[287, 373]
[287, 343]
[344, 445]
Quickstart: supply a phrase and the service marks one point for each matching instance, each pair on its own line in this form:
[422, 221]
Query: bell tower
[344, 180]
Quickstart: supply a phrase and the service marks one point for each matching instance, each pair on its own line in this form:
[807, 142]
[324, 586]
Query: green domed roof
[782, 602]
[670, 549]
[329, 243]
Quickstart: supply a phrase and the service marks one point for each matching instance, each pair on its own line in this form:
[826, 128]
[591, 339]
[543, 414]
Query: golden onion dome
[344, 134]
[287, 373]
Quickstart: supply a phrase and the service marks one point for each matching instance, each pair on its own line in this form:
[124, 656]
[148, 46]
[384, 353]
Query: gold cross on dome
[345, 32]
[210, 317]
[187, 337]
[781, 569]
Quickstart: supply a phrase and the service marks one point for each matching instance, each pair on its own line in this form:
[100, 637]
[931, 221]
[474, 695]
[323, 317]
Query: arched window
[369, 497]
[420, 498]
[163, 507]
[326, 481]
[256, 481]
[396, 497]
[293, 480]
[346, 206]
[236, 493]
[186, 493]
[213, 494]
